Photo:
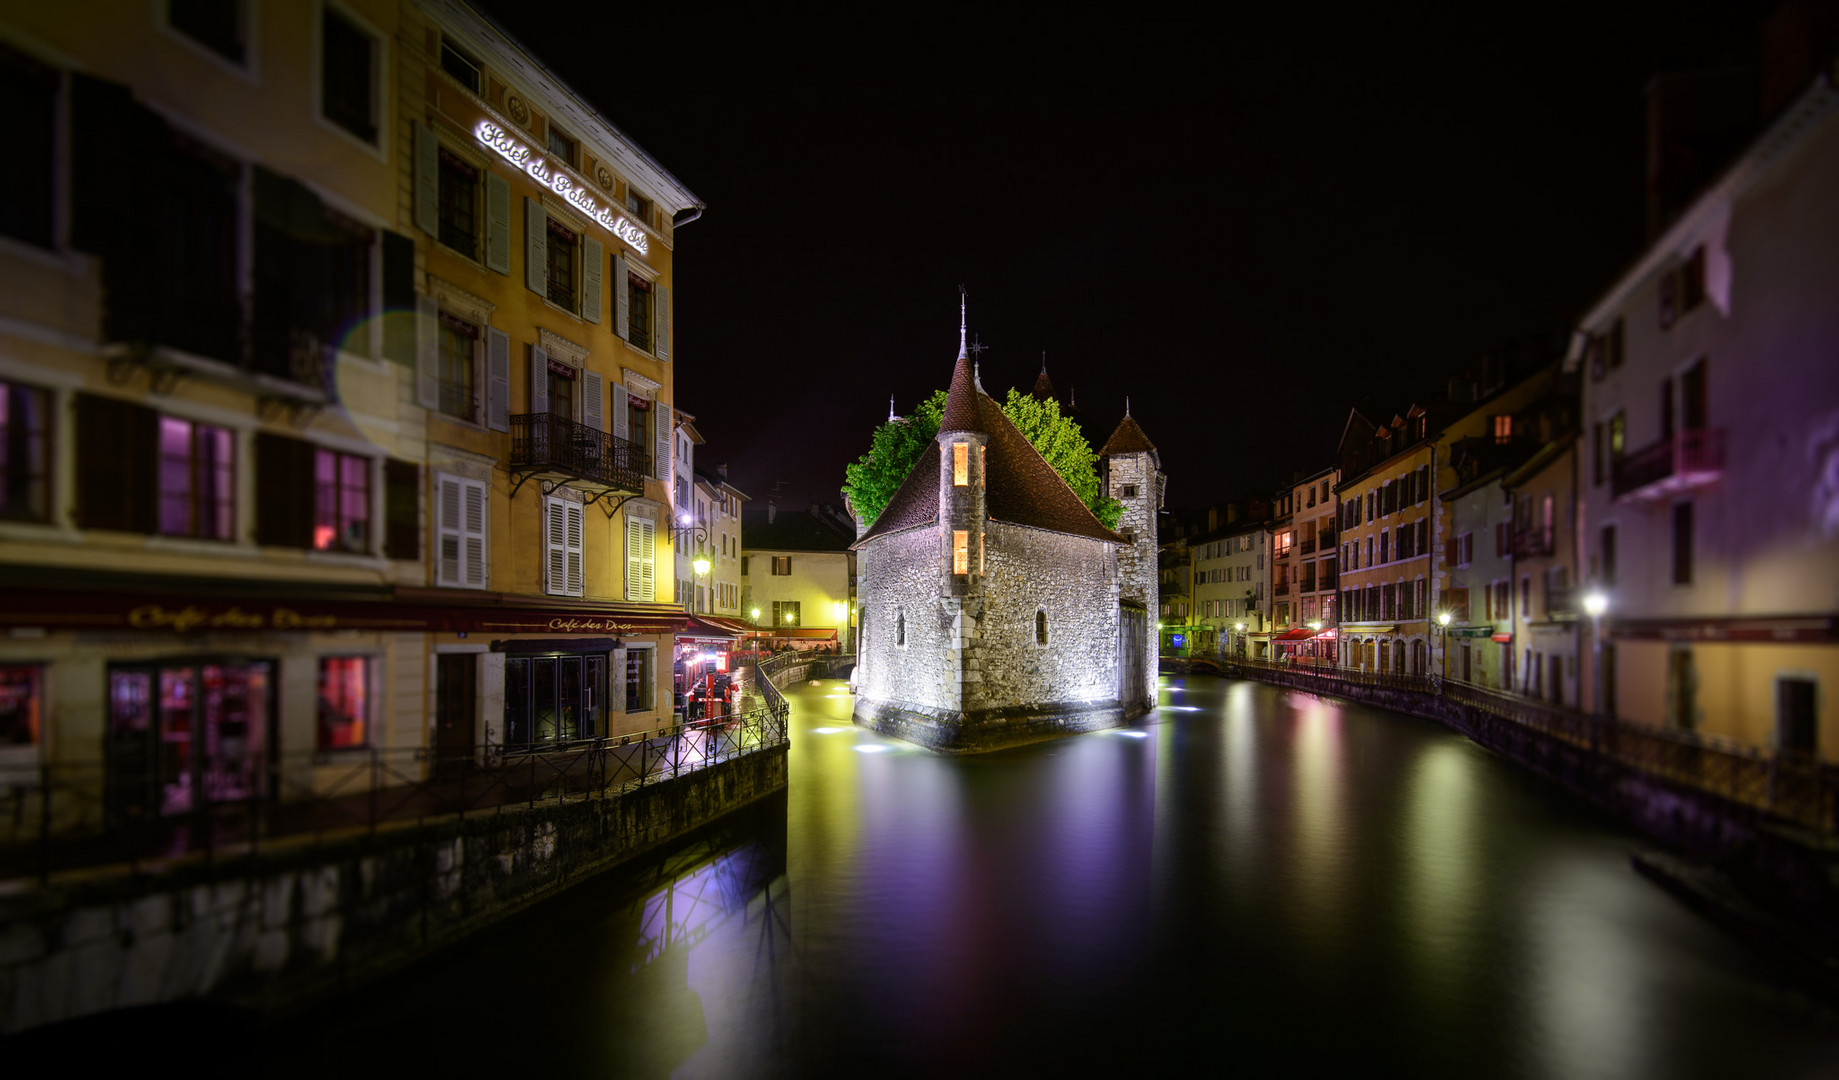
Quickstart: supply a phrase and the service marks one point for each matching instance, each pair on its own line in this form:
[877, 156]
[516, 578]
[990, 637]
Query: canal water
[1251, 879]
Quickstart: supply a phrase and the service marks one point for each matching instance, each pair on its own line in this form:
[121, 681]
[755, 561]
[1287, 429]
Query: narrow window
[344, 702]
[196, 462]
[960, 551]
[960, 464]
[456, 365]
[639, 679]
[638, 312]
[21, 704]
[347, 73]
[561, 251]
[900, 629]
[460, 65]
[341, 506]
[1682, 544]
[1503, 430]
[24, 453]
[1796, 721]
[459, 204]
[1609, 555]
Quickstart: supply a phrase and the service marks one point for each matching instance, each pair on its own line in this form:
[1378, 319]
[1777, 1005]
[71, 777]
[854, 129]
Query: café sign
[562, 184]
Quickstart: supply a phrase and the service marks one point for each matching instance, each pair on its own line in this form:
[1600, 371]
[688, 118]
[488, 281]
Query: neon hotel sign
[559, 182]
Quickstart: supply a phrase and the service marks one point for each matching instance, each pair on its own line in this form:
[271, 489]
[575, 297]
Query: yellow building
[334, 401]
[1385, 519]
[798, 575]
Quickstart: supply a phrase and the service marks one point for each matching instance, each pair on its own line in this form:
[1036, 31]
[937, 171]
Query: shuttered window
[460, 524]
[640, 584]
[402, 509]
[562, 547]
[118, 483]
[285, 483]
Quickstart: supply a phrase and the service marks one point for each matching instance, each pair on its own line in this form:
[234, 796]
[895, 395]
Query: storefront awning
[245, 606]
[801, 633]
[1368, 628]
[1297, 634]
[738, 627]
[1468, 631]
[704, 628]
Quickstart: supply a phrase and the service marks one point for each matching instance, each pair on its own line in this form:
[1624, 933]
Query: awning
[1504, 639]
[1469, 631]
[737, 627]
[1368, 628]
[244, 606]
[703, 628]
[1297, 634]
[801, 633]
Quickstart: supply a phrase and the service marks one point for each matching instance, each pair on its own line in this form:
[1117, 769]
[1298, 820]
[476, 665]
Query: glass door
[183, 736]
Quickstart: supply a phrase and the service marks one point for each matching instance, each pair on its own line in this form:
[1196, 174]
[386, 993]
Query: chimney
[722, 471]
[771, 511]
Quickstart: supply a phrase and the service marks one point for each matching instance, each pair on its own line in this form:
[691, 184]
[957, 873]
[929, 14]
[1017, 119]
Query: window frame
[447, 160]
[228, 500]
[35, 719]
[249, 12]
[339, 489]
[46, 477]
[378, 145]
[367, 666]
[558, 227]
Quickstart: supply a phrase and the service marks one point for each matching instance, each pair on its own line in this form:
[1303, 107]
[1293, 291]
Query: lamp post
[1443, 631]
[1240, 627]
[1595, 603]
[841, 610]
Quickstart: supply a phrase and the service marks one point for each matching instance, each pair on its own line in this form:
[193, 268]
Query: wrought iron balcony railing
[1686, 460]
[547, 443]
[1532, 544]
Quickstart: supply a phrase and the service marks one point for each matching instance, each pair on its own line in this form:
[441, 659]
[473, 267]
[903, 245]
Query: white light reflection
[830, 730]
[1129, 734]
[1178, 708]
[873, 748]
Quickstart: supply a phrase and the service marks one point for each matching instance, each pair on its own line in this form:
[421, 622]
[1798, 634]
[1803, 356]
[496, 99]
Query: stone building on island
[996, 609]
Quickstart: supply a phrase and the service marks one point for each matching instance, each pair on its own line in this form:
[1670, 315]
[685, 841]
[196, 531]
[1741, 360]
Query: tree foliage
[870, 482]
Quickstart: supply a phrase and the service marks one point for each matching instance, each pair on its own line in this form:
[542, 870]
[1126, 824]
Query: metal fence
[64, 815]
[1800, 791]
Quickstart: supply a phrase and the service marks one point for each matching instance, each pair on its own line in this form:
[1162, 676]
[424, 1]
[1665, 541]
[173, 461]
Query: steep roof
[1020, 486]
[1127, 439]
[961, 411]
[1043, 387]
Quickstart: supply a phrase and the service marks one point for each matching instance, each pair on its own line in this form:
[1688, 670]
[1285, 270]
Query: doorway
[456, 683]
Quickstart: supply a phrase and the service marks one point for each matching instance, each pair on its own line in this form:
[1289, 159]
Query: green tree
[870, 482]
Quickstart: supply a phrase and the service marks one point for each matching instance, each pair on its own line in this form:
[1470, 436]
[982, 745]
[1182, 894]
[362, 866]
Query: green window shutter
[427, 352]
[497, 379]
[622, 300]
[427, 180]
[593, 257]
[497, 222]
[662, 293]
[539, 379]
[536, 247]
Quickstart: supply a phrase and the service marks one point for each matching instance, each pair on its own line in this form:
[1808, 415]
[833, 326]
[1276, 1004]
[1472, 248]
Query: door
[1796, 730]
[1467, 675]
[1682, 689]
[455, 704]
[1133, 631]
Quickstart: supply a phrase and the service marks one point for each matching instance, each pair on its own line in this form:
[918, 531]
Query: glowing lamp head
[1596, 603]
[1315, 624]
[756, 613]
[1442, 618]
[684, 518]
[841, 609]
[701, 564]
[1240, 627]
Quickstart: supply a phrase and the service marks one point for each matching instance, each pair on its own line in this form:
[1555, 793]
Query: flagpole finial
[1126, 404]
[891, 415]
[1043, 361]
[963, 307]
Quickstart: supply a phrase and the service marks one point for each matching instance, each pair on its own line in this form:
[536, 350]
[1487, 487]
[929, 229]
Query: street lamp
[700, 564]
[1240, 628]
[1595, 603]
[1443, 630]
[1315, 627]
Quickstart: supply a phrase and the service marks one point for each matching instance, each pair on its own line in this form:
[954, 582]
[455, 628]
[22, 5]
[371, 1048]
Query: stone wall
[1139, 578]
[294, 925]
[1073, 580]
[900, 576]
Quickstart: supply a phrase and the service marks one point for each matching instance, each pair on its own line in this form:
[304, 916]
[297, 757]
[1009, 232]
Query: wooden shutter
[539, 379]
[472, 532]
[622, 297]
[497, 222]
[593, 261]
[640, 534]
[617, 402]
[285, 484]
[536, 247]
[448, 559]
[665, 437]
[398, 298]
[118, 482]
[593, 398]
[497, 380]
[427, 352]
[402, 509]
[427, 180]
[662, 303]
[555, 546]
[572, 547]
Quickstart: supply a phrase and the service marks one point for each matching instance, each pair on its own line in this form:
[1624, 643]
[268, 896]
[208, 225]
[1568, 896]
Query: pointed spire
[1126, 404]
[963, 337]
[1043, 361]
[891, 415]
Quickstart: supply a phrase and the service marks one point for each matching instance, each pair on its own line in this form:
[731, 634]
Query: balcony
[556, 448]
[1562, 602]
[1282, 588]
[1309, 547]
[1685, 461]
[1532, 544]
[1329, 582]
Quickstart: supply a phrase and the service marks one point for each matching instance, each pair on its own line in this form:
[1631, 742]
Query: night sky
[1246, 224]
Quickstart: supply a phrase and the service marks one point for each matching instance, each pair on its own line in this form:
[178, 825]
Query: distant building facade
[798, 574]
[1385, 542]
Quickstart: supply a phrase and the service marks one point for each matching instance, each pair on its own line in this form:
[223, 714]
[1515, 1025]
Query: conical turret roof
[1127, 439]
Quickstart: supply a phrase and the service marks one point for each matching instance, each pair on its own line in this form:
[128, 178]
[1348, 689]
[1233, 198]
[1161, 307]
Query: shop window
[185, 735]
[25, 452]
[1796, 718]
[348, 75]
[640, 691]
[22, 703]
[196, 463]
[341, 502]
[552, 700]
[344, 702]
[218, 25]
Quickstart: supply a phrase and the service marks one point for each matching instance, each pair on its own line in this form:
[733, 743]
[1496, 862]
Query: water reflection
[1259, 881]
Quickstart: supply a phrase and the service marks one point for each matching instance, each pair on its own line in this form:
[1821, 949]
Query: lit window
[21, 704]
[1503, 429]
[24, 452]
[639, 679]
[344, 702]
[960, 551]
[960, 464]
[196, 463]
[341, 503]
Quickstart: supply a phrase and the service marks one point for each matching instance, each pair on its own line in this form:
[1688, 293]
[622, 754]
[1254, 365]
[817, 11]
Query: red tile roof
[1127, 439]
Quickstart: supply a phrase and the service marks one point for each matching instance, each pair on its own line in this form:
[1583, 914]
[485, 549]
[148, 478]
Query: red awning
[800, 633]
[247, 606]
[703, 628]
[1297, 634]
[1504, 639]
[737, 627]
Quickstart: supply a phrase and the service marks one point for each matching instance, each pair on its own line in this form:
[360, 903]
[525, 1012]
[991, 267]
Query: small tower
[963, 441]
[1133, 476]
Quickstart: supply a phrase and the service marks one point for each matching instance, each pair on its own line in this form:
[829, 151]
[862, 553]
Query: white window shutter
[572, 545]
[536, 247]
[427, 352]
[617, 402]
[555, 546]
[665, 437]
[497, 222]
[447, 531]
[473, 532]
[427, 180]
[647, 556]
[497, 380]
[539, 379]
[632, 559]
[593, 395]
[593, 258]
[622, 298]
[663, 319]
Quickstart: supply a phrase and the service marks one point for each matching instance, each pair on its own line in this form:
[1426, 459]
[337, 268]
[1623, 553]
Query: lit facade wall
[1229, 589]
[815, 581]
[1710, 508]
[1385, 563]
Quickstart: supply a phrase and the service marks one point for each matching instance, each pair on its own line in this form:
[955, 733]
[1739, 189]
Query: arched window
[1040, 627]
[900, 629]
